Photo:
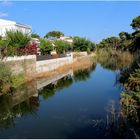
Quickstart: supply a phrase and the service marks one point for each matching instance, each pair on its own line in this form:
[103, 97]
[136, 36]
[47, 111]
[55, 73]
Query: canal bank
[30, 68]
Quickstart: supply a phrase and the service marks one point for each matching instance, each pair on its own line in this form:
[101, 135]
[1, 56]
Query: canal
[76, 104]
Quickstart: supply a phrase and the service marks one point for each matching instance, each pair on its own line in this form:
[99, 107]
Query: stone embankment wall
[22, 65]
[29, 66]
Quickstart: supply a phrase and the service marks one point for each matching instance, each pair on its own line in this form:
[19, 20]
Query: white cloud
[6, 3]
[2, 14]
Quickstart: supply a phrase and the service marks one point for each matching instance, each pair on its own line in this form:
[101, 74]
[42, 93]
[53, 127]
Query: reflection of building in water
[44, 82]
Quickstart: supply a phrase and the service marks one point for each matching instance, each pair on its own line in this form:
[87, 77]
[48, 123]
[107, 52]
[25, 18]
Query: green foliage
[3, 48]
[62, 46]
[54, 34]
[51, 89]
[17, 80]
[111, 42]
[82, 75]
[13, 41]
[133, 82]
[34, 35]
[124, 35]
[130, 97]
[135, 45]
[82, 44]
[136, 23]
[125, 44]
[46, 46]
[5, 78]
[17, 39]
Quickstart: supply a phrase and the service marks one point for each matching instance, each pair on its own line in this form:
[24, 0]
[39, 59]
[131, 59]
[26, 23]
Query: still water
[76, 105]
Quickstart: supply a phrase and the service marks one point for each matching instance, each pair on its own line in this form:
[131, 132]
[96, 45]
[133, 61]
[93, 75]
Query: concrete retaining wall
[49, 65]
[29, 66]
[23, 64]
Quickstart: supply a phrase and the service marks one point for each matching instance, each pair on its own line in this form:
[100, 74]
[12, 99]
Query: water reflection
[25, 100]
[93, 113]
[115, 62]
[49, 90]
[10, 110]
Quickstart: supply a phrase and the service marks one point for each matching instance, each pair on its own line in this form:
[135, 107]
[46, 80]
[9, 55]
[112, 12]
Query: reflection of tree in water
[50, 89]
[83, 74]
[113, 62]
[65, 82]
[8, 112]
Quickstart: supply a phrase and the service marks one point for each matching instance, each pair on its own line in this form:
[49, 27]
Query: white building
[66, 38]
[7, 25]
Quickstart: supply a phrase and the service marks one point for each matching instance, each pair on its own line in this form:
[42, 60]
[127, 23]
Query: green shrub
[18, 80]
[46, 46]
[62, 46]
[5, 78]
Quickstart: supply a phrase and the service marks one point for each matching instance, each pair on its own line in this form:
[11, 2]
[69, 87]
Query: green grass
[18, 80]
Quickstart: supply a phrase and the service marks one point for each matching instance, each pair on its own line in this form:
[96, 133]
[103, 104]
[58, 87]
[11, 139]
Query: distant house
[37, 42]
[7, 25]
[66, 38]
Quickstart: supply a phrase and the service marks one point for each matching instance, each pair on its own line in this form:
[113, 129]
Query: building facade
[7, 25]
[66, 38]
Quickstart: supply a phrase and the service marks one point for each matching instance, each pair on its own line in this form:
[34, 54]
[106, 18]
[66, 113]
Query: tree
[124, 35]
[34, 35]
[46, 46]
[82, 44]
[111, 42]
[54, 34]
[136, 23]
[62, 46]
[135, 45]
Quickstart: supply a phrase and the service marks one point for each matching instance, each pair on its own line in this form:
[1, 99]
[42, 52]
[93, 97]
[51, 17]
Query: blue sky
[92, 19]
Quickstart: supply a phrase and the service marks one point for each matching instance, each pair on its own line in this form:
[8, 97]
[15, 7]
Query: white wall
[52, 64]
[6, 25]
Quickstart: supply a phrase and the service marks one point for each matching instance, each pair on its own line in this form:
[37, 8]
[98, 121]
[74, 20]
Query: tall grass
[114, 60]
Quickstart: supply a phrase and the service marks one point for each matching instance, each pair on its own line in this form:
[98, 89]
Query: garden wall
[22, 65]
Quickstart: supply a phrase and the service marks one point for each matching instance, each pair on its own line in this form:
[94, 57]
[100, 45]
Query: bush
[14, 41]
[5, 78]
[62, 46]
[30, 49]
[46, 46]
